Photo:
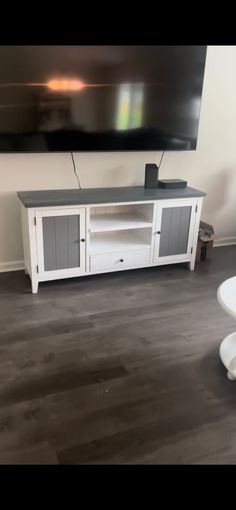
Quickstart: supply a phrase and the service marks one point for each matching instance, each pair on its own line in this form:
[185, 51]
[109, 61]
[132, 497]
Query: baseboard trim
[15, 265]
[224, 241]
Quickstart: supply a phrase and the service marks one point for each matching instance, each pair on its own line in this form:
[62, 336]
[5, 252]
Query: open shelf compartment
[126, 240]
[109, 218]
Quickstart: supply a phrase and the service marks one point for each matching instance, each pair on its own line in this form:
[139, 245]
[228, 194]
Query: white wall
[211, 168]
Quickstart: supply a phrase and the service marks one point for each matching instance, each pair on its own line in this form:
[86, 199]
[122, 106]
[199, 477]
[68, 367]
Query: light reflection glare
[130, 106]
[73, 85]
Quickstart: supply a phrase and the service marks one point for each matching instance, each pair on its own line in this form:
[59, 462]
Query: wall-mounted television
[100, 98]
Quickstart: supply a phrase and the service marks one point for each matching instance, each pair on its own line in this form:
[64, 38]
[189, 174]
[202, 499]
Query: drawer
[113, 261]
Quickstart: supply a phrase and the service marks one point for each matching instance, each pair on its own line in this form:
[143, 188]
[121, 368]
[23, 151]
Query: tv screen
[100, 98]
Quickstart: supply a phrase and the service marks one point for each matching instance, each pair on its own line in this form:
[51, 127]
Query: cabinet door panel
[49, 244]
[174, 230]
[74, 241]
[61, 240]
[61, 251]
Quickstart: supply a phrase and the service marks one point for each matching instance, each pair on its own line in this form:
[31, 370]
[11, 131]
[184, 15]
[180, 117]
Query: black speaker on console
[151, 175]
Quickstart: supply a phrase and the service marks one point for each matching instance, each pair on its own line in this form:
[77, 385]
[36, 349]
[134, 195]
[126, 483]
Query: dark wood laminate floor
[117, 368]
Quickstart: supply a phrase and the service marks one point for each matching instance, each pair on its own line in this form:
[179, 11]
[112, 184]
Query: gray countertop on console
[60, 197]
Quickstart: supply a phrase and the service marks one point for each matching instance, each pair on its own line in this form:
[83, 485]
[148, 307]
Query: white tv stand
[70, 233]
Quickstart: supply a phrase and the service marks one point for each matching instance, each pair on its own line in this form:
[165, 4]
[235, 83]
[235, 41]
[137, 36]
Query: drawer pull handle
[158, 232]
[121, 260]
[83, 240]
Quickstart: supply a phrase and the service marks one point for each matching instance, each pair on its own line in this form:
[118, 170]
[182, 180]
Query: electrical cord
[161, 159]
[75, 172]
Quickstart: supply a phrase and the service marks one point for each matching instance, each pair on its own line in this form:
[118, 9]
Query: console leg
[34, 285]
[231, 376]
[191, 265]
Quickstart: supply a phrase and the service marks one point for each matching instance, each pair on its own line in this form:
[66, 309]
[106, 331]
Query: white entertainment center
[71, 233]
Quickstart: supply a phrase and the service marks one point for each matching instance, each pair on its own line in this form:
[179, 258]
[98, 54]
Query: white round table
[226, 296]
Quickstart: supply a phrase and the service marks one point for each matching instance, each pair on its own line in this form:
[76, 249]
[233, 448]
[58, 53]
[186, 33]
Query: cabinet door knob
[83, 240]
[121, 260]
[158, 232]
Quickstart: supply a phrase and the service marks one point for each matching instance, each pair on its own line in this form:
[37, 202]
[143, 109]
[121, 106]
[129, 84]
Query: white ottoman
[226, 296]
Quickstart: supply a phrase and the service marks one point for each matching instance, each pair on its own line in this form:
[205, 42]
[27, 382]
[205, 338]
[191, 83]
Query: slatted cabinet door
[61, 243]
[174, 231]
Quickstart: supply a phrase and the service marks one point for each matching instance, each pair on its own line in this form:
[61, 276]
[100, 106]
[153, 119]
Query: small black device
[172, 183]
[151, 175]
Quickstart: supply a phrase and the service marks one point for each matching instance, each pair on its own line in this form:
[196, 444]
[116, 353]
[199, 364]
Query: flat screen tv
[100, 98]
